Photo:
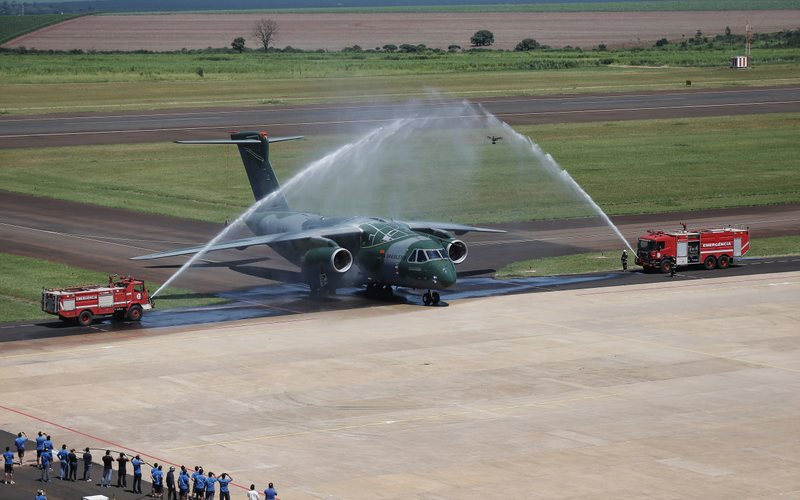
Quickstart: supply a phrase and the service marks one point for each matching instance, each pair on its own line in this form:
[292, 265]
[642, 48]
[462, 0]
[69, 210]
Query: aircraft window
[421, 256]
[413, 256]
[433, 254]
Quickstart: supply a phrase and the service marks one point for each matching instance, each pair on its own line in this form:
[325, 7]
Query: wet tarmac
[290, 299]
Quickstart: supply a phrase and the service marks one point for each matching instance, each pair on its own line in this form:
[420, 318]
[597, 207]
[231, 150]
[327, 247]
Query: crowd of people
[199, 485]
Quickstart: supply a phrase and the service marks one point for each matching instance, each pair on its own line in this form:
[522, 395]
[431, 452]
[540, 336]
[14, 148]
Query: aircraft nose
[447, 275]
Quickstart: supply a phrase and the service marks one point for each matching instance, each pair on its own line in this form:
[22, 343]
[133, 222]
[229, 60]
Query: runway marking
[87, 238]
[383, 120]
[393, 422]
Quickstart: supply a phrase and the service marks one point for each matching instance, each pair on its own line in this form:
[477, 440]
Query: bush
[453, 48]
[482, 38]
[390, 47]
[527, 44]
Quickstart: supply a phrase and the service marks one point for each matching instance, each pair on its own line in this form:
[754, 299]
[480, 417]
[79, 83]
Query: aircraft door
[737, 247]
[683, 255]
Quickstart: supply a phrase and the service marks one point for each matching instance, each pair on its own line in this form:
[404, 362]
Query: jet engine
[456, 250]
[328, 259]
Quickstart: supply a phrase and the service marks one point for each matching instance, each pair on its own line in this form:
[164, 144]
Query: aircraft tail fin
[254, 150]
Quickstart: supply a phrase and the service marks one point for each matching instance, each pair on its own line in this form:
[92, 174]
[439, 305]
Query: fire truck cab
[123, 298]
[707, 247]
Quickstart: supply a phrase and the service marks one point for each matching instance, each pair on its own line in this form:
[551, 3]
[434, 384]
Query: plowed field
[336, 31]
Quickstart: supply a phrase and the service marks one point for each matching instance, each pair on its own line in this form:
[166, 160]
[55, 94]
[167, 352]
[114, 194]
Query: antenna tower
[748, 34]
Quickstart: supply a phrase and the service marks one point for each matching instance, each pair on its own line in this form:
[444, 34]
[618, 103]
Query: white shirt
[252, 495]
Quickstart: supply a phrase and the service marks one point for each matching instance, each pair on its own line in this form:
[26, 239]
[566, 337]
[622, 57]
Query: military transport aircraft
[333, 251]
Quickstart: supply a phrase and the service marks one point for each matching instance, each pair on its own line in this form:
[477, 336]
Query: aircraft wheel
[427, 299]
[85, 318]
[435, 297]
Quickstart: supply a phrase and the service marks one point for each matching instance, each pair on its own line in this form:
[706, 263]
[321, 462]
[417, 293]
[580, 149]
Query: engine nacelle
[330, 259]
[457, 251]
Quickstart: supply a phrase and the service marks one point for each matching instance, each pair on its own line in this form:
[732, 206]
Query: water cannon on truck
[124, 297]
[711, 248]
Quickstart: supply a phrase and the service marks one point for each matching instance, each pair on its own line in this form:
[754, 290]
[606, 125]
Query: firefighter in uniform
[673, 269]
[624, 260]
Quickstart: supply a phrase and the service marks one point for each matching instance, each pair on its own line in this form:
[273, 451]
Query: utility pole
[748, 33]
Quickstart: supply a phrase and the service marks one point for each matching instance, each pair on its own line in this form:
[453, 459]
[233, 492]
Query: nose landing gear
[431, 298]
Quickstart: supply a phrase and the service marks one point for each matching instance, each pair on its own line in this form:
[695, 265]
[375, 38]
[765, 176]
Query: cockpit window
[421, 256]
[434, 254]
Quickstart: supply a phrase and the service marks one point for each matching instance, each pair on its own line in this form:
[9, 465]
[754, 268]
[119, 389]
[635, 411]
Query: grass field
[14, 26]
[22, 280]
[600, 262]
[628, 167]
[155, 81]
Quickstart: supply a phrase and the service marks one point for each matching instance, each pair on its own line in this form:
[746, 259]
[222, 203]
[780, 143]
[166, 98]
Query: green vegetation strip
[22, 280]
[110, 82]
[13, 26]
[636, 6]
[628, 167]
[604, 262]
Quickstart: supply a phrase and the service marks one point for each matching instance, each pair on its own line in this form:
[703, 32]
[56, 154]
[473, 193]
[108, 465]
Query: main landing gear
[431, 298]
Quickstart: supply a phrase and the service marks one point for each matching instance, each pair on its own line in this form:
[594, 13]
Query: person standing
[63, 462]
[252, 494]
[137, 474]
[153, 470]
[122, 471]
[40, 439]
[223, 480]
[22, 438]
[211, 480]
[171, 491]
[183, 483]
[624, 260]
[158, 483]
[73, 465]
[87, 465]
[108, 466]
[48, 444]
[199, 484]
[672, 270]
[46, 458]
[8, 458]
[270, 493]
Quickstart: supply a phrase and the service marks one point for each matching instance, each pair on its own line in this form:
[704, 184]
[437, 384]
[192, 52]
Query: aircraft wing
[449, 226]
[321, 233]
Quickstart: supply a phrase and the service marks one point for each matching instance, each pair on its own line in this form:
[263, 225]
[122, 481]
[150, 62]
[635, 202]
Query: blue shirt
[40, 497]
[270, 494]
[137, 466]
[40, 443]
[158, 477]
[183, 481]
[199, 482]
[48, 444]
[20, 442]
[47, 457]
[63, 454]
[9, 457]
[210, 483]
[223, 484]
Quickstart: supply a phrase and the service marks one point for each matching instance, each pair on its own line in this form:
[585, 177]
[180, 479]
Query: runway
[158, 126]
[680, 389]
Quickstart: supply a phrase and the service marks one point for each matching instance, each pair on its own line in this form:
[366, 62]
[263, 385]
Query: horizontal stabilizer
[242, 141]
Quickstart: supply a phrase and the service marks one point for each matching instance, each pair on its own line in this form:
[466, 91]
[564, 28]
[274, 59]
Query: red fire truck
[708, 247]
[123, 297]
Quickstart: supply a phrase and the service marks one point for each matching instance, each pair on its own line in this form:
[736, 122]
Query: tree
[662, 42]
[527, 44]
[390, 47]
[265, 31]
[482, 38]
[453, 48]
[238, 44]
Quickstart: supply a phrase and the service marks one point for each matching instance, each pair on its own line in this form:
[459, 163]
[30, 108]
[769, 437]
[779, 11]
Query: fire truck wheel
[134, 313]
[723, 262]
[666, 265]
[85, 318]
[710, 262]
